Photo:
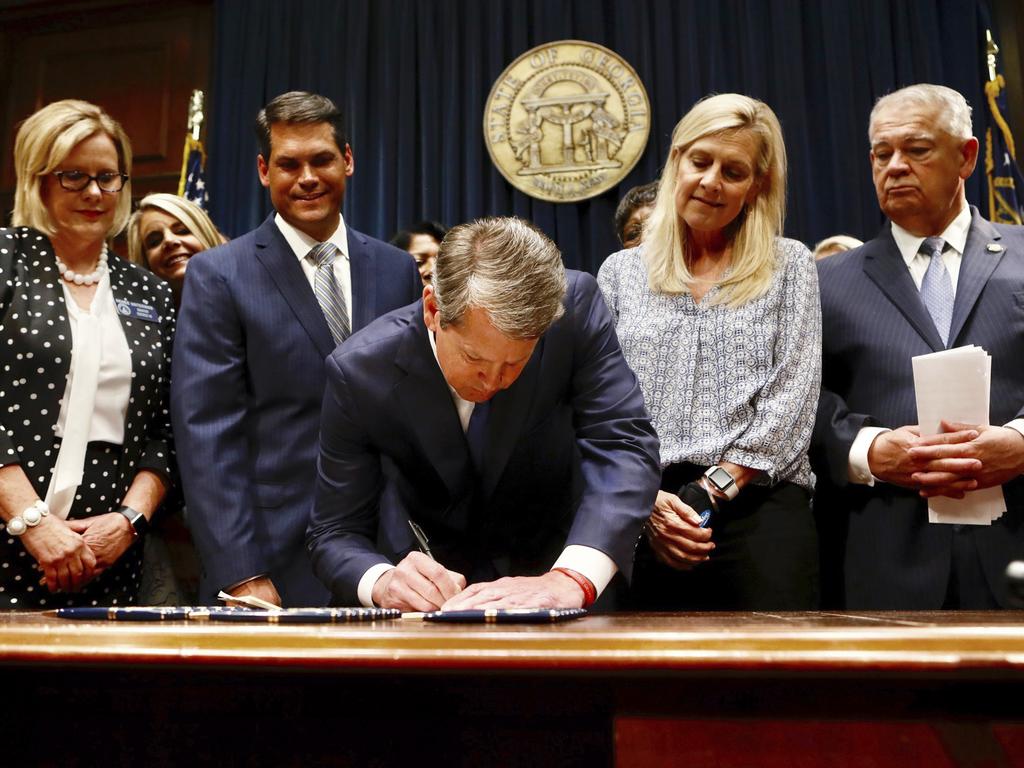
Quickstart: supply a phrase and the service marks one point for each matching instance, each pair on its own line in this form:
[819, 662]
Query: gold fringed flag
[1005, 183]
[192, 184]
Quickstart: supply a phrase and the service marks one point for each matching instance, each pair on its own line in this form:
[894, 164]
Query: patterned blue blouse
[723, 383]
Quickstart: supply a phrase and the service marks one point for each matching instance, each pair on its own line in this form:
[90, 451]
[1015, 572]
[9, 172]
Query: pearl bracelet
[30, 518]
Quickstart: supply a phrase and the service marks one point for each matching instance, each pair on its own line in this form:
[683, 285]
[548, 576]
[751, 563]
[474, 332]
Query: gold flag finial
[991, 49]
[195, 113]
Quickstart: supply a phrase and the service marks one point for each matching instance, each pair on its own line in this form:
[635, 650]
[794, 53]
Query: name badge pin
[137, 311]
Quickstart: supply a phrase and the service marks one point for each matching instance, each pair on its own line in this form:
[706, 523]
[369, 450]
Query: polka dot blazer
[35, 358]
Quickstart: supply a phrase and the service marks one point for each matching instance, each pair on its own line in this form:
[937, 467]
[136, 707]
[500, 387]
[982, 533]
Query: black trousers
[968, 588]
[765, 557]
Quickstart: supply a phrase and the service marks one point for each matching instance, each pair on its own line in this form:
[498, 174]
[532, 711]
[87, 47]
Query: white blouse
[115, 376]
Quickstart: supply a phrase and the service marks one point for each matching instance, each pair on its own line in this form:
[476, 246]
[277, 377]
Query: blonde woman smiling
[165, 232]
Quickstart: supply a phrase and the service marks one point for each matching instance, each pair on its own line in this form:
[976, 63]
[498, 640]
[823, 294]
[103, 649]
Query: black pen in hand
[421, 538]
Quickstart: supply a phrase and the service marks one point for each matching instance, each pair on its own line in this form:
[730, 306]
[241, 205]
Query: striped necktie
[937, 288]
[328, 294]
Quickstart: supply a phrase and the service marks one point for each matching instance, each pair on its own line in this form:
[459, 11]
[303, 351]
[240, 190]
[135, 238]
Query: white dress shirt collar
[955, 236]
[463, 407]
[301, 243]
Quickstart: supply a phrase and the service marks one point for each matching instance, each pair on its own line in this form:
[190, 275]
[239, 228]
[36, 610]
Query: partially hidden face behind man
[423, 248]
[918, 167]
[306, 175]
[167, 243]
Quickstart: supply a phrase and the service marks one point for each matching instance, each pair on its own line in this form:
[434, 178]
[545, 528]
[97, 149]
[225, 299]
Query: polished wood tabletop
[984, 642]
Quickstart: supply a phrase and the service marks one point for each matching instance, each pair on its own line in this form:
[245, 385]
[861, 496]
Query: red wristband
[589, 590]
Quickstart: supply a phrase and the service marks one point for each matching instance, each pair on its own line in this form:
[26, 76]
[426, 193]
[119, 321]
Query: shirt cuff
[1017, 425]
[592, 563]
[858, 470]
[364, 592]
[237, 584]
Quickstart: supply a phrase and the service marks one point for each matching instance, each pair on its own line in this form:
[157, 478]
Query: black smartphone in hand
[694, 495]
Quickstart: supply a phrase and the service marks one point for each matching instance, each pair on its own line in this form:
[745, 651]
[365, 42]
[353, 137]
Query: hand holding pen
[418, 582]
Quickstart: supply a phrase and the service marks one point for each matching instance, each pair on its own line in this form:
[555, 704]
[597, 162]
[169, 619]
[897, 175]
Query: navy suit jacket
[247, 386]
[571, 455]
[873, 322]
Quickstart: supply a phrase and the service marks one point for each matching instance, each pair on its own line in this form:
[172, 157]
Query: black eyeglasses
[76, 181]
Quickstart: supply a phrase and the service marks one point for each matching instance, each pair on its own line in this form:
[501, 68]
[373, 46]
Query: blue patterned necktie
[328, 294]
[476, 435]
[937, 288]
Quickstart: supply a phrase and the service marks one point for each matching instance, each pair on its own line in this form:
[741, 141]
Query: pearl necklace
[79, 279]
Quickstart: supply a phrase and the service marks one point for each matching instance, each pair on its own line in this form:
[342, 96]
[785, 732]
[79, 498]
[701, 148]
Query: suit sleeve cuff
[592, 563]
[365, 589]
[858, 470]
[1017, 425]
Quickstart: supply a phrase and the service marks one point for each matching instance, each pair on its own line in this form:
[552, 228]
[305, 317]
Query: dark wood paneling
[139, 61]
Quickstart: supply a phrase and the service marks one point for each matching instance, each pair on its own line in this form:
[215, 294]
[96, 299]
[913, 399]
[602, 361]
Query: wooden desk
[637, 689]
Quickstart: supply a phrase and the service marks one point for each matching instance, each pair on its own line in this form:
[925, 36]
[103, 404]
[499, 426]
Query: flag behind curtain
[1005, 183]
[192, 184]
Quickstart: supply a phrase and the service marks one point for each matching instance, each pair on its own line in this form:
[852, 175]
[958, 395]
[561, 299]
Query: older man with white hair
[938, 276]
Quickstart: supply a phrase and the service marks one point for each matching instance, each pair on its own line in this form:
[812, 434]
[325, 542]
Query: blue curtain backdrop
[412, 77]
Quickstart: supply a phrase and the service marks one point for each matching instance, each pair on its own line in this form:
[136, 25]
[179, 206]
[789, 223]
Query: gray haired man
[938, 276]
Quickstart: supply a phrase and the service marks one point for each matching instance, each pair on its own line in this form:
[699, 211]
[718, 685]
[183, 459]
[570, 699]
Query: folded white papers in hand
[953, 385]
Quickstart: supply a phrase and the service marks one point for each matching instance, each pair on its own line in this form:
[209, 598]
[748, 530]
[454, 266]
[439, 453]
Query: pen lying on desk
[498, 615]
[123, 614]
[215, 613]
[316, 615]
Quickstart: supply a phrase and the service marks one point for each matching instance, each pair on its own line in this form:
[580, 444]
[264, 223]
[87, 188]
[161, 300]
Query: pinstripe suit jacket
[246, 392]
[873, 322]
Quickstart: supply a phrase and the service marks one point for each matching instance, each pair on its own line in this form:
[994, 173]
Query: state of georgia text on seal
[566, 121]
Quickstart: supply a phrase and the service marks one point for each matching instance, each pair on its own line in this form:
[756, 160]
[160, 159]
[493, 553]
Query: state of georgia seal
[566, 121]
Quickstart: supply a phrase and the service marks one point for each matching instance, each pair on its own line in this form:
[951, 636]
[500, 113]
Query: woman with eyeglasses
[85, 452]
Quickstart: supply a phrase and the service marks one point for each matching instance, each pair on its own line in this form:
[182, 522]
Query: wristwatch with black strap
[140, 525]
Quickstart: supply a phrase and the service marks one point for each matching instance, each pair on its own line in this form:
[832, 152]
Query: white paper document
[953, 385]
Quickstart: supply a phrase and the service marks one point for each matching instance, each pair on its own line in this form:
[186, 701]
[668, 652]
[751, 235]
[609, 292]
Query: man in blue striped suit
[938, 276]
[259, 316]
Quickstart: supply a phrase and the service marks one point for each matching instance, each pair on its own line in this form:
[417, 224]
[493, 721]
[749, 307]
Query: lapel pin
[993, 248]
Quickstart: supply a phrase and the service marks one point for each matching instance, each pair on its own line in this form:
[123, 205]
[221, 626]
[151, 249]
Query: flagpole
[1005, 182]
[991, 50]
[196, 116]
[192, 142]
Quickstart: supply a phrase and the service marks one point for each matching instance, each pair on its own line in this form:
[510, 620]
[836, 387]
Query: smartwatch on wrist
[138, 520]
[722, 481]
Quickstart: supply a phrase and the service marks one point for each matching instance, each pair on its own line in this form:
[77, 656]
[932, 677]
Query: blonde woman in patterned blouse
[84, 426]
[718, 315]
